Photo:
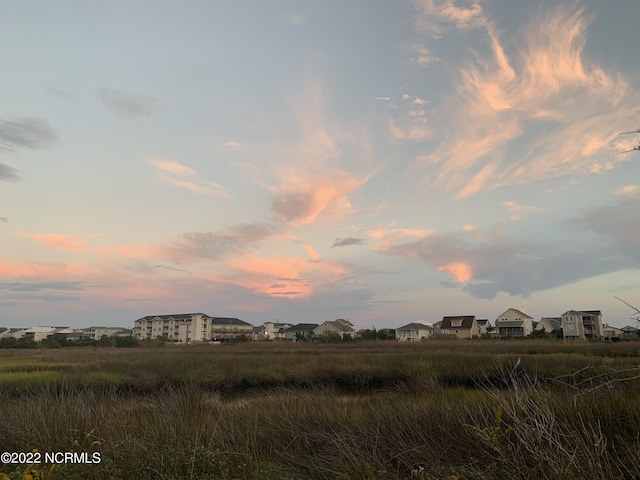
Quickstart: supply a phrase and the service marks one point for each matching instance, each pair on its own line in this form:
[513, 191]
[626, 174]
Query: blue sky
[386, 162]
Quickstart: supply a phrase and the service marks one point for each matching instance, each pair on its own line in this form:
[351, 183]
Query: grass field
[380, 410]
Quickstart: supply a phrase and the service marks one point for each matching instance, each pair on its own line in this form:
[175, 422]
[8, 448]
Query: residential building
[96, 333]
[514, 323]
[41, 333]
[464, 326]
[630, 332]
[611, 333]
[302, 329]
[549, 324]
[483, 325]
[275, 330]
[12, 332]
[582, 324]
[190, 328]
[414, 332]
[340, 326]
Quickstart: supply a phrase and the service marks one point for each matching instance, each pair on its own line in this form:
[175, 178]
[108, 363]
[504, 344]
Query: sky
[300, 161]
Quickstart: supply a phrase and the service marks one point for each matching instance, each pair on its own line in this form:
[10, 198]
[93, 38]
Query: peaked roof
[228, 321]
[519, 312]
[303, 327]
[415, 326]
[467, 322]
[482, 321]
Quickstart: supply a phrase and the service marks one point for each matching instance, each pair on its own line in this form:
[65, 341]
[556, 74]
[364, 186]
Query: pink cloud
[65, 242]
[302, 197]
[212, 188]
[171, 167]
[43, 270]
[546, 79]
[459, 270]
[312, 253]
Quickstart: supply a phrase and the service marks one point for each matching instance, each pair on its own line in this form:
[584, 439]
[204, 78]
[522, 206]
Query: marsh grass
[376, 411]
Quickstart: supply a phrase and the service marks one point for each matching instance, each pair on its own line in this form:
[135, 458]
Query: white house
[612, 333]
[41, 333]
[514, 323]
[549, 324]
[483, 325]
[96, 333]
[273, 330]
[414, 332]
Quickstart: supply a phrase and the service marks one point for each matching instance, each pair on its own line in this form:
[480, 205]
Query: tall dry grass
[336, 412]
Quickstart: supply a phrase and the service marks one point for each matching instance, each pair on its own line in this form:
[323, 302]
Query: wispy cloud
[303, 198]
[125, 104]
[436, 17]
[345, 242]
[577, 105]
[171, 167]
[233, 145]
[518, 210]
[26, 133]
[8, 174]
[629, 191]
[65, 242]
[4, 220]
[210, 188]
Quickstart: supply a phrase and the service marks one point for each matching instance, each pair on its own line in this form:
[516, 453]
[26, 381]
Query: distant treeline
[60, 340]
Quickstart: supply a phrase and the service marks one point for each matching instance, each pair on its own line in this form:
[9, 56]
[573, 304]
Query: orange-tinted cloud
[312, 253]
[54, 240]
[303, 197]
[486, 144]
[629, 191]
[460, 271]
[210, 188]
[281, 276]
[43, 270]
[171, 167]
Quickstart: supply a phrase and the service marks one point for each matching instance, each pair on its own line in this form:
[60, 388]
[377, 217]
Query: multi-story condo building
[190, 328]
[582, 324]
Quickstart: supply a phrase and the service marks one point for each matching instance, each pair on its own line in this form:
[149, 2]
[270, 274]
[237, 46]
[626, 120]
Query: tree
[104, 341]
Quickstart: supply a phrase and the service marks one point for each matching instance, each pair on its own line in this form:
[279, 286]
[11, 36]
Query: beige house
[460, 327]
[414, 332]
[582, 324]
[340, 326]
[514, 323]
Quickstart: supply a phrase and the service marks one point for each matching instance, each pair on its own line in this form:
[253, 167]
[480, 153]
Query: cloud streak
[345, 242]
[26, 133]
[125, 104]
[538, 111]
[54, 240]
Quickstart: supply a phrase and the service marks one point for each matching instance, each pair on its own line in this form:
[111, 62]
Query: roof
[519, 312]
[228, 321]
[175, 316]
[554, 322]
[467, 322]
[482, 321]
[582, 312]
[629, 329]
[303, 327]
[339, 325]
[415, 326]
